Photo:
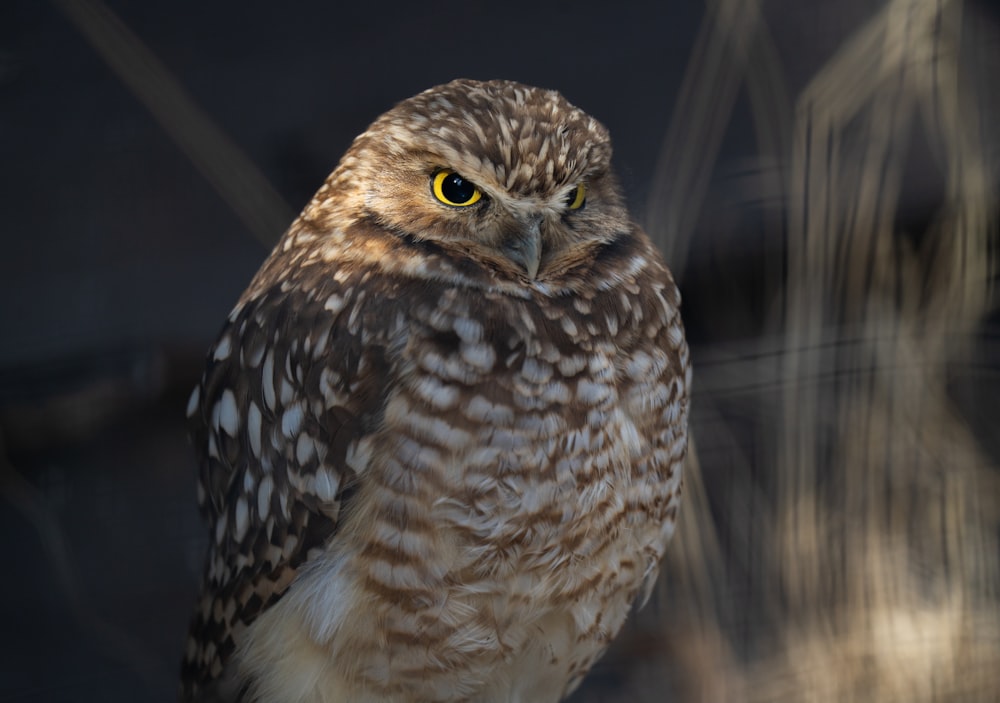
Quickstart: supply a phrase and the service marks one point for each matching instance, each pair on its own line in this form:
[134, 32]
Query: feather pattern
[430, 474]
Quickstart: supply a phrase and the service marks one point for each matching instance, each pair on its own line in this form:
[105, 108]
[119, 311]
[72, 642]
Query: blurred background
[822, 177]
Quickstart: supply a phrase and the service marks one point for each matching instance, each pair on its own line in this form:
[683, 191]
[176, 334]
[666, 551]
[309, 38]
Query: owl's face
[514, 175]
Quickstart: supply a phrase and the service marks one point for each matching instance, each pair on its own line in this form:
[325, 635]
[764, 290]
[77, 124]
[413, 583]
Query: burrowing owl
[442, 431]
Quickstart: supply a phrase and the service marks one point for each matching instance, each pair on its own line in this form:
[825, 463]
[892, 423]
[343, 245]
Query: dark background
[119, 260]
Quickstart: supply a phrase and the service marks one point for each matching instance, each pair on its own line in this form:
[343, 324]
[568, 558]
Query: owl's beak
[525, 247]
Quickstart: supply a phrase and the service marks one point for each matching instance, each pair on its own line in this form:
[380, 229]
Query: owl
[441, 433]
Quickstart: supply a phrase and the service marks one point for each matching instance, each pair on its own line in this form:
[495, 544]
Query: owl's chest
[523, 436]
[515, 493]
[509, 507]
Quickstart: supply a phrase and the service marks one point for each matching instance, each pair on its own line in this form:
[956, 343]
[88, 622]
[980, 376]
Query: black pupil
[457, 189]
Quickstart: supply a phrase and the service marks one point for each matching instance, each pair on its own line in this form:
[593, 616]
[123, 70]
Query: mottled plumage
[441, 445]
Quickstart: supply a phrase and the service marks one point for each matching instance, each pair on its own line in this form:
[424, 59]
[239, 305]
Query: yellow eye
[577, 197]
[451, 189]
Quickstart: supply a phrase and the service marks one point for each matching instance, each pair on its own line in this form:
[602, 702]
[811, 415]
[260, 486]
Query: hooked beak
[524, 248]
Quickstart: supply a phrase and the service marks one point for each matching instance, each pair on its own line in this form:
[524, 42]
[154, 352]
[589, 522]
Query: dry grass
[861, 558]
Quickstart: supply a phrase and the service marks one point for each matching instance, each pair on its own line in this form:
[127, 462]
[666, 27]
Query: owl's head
[511, 174]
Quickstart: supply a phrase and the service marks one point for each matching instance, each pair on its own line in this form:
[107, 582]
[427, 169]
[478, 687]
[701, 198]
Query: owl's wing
[656, 381]
[292, 385]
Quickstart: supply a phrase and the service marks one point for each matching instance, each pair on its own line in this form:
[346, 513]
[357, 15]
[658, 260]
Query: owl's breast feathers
[457, 444]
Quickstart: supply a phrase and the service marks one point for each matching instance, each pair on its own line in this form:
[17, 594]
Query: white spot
[591, 393]
[242, 515]
[291, 421]
[222, 349]
[304, 449]
[549, 353]
[417, 456]
[335, 303]
[569, 327]
[611, 321]
[636, 264]
[535, 371]
[264, 497]
[320, 345]
[358, 455]
[638, 366]
[440, 317]
[676, 335]
[273, 554]
[267, 381]
[572, 365]
[321, 450]
[449, 368]
[193, 400]
[326, 484]
[482, 410]
[601, 367]
[526, 171]
[556, 393]
[470, 331]
[253, 428]
[352, 319]
[479, 356]
[432, 429]
[436, 394]
[228, 415]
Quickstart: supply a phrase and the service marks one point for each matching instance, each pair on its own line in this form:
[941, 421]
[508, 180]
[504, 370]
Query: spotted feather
[441, 447]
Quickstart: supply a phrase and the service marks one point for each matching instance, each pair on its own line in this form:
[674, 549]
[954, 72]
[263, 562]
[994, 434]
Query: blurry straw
[233, 175]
